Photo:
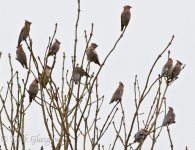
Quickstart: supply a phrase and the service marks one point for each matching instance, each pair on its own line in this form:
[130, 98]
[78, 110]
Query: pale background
[150, 29]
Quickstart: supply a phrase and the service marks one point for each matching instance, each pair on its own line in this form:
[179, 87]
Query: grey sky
[150, 29]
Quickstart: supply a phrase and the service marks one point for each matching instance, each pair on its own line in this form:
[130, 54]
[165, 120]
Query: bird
[78, 73]
[92, 55]
[54, 48]
[176, 70]
[24, 32]
[45, 76]
[117, 96]
[125, 16]
[33, 89]
[140, 136]
[169, 117]
[167, 69]
[21, 56]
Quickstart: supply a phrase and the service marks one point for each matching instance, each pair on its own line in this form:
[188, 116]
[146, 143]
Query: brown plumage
[140, 136]
[167, 69]
[33, 89]
[176, 70]
[117, 96]
[24, 33]
[21, 56]
[92, 55]
[78, 73]
[125, 16]
[54, 48]
[169, 117]
[45, 76]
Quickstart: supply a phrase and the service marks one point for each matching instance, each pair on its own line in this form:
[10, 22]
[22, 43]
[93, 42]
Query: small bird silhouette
[54, 48]
[78, 73]
[140, 136]
[167, 69]
[24, 32]
[92, 55]
[176, 70]
[45, 76]
[21, 56]
[117, 96]
[169, 117]
[33, 89]
[125, 16]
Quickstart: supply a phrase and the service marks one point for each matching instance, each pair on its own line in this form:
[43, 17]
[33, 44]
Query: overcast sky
[150, 29]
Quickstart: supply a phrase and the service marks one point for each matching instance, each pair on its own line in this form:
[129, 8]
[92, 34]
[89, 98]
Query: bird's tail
[30, 98]
[86, 74]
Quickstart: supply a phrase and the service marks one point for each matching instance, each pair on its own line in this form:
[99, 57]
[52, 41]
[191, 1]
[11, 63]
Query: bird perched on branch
[45, 76]
[21, 56]
[117, 96]
[33, 89]
[176, 70]
[167, 69]
[78, 73]
[169, 117]
[125, 16]
[24, 32]
[140, 136]
[54, 48]
[92, 55]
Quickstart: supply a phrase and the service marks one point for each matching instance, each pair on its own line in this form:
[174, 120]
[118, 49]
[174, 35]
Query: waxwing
[33, 89]
[125, 16]
[169, 117]
[92, 55]
[54, 48]
[78, 73]
[117, 96]
[140, 136]
[167, 69]
[24, 32]
[21, 56]
[176, 70]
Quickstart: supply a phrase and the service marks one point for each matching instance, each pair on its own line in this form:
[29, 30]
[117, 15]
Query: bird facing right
[176, 70]
[24, 33]
[125, 16]
[169, 117]
[117, 96]
[54, 48]
[92, 55]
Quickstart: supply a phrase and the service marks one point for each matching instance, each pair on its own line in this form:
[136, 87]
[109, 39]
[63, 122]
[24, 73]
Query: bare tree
[72, 113]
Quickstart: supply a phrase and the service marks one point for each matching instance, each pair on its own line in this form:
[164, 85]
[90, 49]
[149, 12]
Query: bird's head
[170, 60]
[121, 84]
[36, 80]
[94, 45]
[57, 41]
[27, 22]
[127, 7]
[48, 67]
[19, 45]
[179, 62]
[170, 108]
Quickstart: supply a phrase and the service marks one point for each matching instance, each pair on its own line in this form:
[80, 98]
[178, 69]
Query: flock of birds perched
[168, 70]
